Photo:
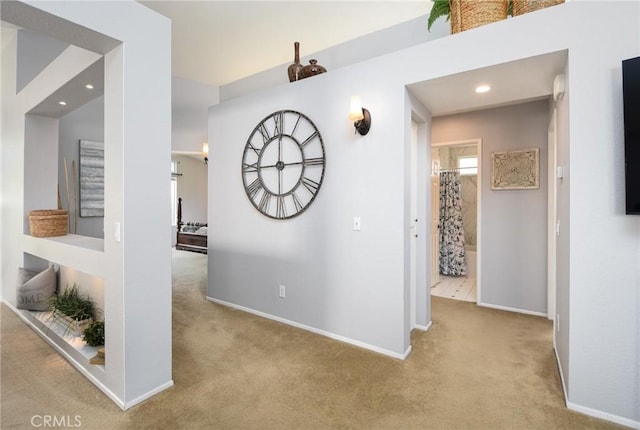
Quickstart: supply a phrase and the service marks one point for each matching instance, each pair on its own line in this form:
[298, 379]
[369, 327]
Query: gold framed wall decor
[515, 170]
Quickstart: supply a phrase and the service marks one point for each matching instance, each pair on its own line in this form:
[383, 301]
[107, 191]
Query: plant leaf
[439, 8]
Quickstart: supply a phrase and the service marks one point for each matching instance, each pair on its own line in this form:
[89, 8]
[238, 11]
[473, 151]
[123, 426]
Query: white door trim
[552, 216]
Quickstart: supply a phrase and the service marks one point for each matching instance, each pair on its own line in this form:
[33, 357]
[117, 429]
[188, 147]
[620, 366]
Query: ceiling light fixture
[62, 103]
[89, 86]
[483, 89]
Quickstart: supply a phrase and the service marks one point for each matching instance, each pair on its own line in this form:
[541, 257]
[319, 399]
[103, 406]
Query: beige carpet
[476, 368]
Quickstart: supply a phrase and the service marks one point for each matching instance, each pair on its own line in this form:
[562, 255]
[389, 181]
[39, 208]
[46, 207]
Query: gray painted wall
[514, 224]
[85, 123]
[190, 102]
[343, 282]
[601, 251]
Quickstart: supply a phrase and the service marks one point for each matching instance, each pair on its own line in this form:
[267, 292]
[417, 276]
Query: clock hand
[296, 163]
[280, 164]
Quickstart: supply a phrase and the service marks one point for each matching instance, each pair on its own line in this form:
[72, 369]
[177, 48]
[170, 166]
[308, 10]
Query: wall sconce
[360, 116]
[558, 87]
[205, 152]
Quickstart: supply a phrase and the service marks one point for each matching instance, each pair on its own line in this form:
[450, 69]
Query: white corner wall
[137, 269]
[352, 284]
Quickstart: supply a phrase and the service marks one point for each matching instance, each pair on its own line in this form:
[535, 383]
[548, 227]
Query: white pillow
[36, 289]
[202, 230]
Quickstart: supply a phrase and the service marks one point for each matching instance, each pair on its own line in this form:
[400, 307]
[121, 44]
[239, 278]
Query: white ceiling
[218, 42]
[514, 82]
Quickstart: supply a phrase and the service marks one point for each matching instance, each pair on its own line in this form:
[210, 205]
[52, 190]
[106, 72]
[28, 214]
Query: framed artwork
[91, 178]
[515, 170]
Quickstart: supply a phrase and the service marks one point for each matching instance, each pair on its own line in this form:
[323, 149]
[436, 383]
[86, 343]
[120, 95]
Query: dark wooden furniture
[190, 241]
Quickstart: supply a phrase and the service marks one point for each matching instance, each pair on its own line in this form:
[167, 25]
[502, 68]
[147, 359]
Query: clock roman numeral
[296, 202]
[311, 185]
[279, 120]
[254, 188]
[264, 132]
[254, 149]
[281, 210]
[250, 168]
[313, 161]
[264, 202]
[309, 139]
[296, 125]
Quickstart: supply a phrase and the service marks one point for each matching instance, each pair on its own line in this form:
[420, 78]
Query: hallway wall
[514, 225]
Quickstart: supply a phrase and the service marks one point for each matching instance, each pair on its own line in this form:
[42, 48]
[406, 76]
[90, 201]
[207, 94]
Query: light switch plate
[356, 223]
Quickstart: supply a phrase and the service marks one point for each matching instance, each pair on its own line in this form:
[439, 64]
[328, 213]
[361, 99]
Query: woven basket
[468, 14]
[524, 6]
[48, 222]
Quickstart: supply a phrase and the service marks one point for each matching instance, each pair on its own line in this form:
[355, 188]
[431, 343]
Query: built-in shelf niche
[56, 334]
[83, 253]
[64, 342]
[53, 132]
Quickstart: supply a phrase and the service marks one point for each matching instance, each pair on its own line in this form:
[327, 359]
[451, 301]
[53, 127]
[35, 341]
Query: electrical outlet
[283, 291]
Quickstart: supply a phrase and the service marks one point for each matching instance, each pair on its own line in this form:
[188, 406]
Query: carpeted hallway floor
[476, 368]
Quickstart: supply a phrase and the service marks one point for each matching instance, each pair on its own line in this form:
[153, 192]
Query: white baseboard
[314, 330]
[423, 327]
[149, 394]
[509, 309]
[588, 411]
[564, 387]
[604, 415]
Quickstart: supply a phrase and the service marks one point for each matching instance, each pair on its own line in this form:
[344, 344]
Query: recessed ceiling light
[483, 88]
[89, 86]
[62, 103]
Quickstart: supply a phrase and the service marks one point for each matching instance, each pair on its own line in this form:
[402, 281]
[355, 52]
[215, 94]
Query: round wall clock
[283, 164]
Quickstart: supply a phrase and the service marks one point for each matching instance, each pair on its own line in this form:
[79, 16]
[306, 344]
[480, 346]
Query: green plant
[439, 8]
[94, 333]
[73, 304]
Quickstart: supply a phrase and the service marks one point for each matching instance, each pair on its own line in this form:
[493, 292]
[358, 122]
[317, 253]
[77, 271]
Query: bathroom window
[468, 165]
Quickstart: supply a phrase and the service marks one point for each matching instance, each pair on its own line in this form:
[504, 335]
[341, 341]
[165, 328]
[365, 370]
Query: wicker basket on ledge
[48, 222]
[525, 6]
[466, 14]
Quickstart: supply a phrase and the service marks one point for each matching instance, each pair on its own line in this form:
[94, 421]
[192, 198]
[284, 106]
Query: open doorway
[189, 177]
[456, 184]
